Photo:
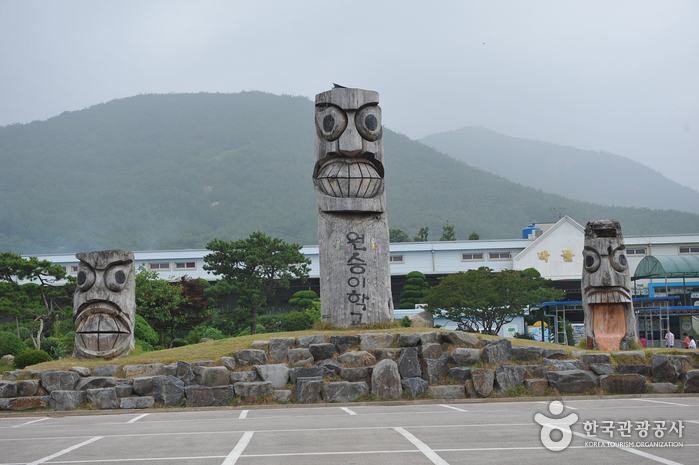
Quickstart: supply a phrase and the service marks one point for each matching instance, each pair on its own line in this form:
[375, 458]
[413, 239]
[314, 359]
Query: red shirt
[685, 342]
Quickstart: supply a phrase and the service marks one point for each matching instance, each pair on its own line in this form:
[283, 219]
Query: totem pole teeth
[352, 178]
[103, 330]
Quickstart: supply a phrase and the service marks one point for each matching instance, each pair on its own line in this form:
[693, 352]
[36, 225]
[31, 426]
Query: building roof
[667, 266]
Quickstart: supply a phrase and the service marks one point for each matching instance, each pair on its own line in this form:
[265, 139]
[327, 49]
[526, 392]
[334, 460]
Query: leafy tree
[303, 299]
[397, 235]
[474, 236]
[144, 332]
[252, 268]
[158, 302]
[414, 291]
[487, 300]
[43, 297]
[448, 233]
[422, 235]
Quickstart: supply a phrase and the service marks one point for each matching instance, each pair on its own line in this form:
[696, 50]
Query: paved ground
[449, 433]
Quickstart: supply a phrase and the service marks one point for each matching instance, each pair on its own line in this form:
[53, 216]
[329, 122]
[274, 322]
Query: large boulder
[8, 360]
[283, 395]
[354, 358]
[624, 384]
[279, 347]
[82, 371]
[497, 352]
[555, 354]
[414, 386]
[636, 354]
[66, 400]
[509, 377]
[322, 351]
[456, 391]
[385, 380]
[431, 350]
[143, 386]
[563, 365]
[211, 376]
[136, 402]
[106, 370]
[8, 389]
[526, 352]
[344, 391]
[408, 339]
[460, 338]
[537, 387]
[465, 357]
[462, 374]
[308, 390]
[390, 353]
[669, 367]
[482, 380]
[123, 390]
[251, 357]
[306, 341]
[371, 341]
[433, 368]
[300, 356]
[59, 380]
[330, 367]
[27, 387]
[276, 374]
[690, 379]
[535, 371]
[242, 376]
[589, 359]
[24, 403]
[430, 337]
[408, 363]
[421, 320]
[306, 372]
[103, 399]
[254, 390]
[356, 374]
[204, 396]
[228, 362]
[643, 370]
[168, 390]
[260, 345]
[602, 368]
[664, 388]
[183, 371]
[343, 343]
[139, 371]
[570, 381]
[95, 382]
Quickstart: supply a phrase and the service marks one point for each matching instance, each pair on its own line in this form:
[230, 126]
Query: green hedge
[30, 358]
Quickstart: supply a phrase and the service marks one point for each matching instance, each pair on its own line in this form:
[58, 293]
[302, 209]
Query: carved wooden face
[606, 277]
[104, 305]
[349, 148]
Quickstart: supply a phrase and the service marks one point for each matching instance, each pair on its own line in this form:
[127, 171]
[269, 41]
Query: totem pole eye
[115, 277]
[592, 260]
[368, 122]
[331, 122]
[619, 261]
[86, 277]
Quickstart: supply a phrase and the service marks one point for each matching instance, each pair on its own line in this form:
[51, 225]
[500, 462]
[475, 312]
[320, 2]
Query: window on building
[397, 258]
[159, 266]
[689, 249]
[185, 265]
[636, 251]
[499, 255]
[73, 268]
[471, 256]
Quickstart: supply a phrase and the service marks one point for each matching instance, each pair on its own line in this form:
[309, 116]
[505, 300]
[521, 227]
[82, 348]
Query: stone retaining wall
[440, 365]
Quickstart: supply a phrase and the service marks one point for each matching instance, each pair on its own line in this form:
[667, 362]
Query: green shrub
[179, 342]
[303, 299]
[297, 321]
[54, 347]
[405, 322]
[246, 332]
[145, 346]
[11, 344]
[144, 332]
[30, 358]
[414, 290]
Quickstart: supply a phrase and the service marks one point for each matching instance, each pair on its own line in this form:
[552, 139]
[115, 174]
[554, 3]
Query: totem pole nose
[350, 143]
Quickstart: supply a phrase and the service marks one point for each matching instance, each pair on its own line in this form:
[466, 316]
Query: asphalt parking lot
[420, 433]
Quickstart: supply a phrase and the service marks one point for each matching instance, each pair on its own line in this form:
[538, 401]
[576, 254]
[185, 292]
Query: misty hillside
[177, 170]
[586, 175]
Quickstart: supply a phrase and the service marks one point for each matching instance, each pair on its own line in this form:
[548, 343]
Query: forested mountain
[177, 170]
[598, 177]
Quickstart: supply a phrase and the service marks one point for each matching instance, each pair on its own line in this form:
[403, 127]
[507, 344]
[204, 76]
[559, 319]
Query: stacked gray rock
[168, 390]
[385, 380]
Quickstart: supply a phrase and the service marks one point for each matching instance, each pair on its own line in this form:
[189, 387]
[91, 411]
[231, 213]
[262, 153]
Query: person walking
[669, 339]
[692, 343]
[685, 341]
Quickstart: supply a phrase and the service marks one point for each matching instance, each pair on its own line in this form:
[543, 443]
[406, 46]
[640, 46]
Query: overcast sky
[618, 76]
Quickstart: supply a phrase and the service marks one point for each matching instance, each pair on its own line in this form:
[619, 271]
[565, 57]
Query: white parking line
[348, 410]
[65, 451]
[243, 415]
[134, 420]
[661, 402]
[631, 450]
[30, 422]
[238, 449]
[564, 405]
[453, 408]
[424, 448]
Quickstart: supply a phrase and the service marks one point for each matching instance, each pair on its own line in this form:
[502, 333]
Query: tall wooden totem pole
[355, 275]
[610, 323]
